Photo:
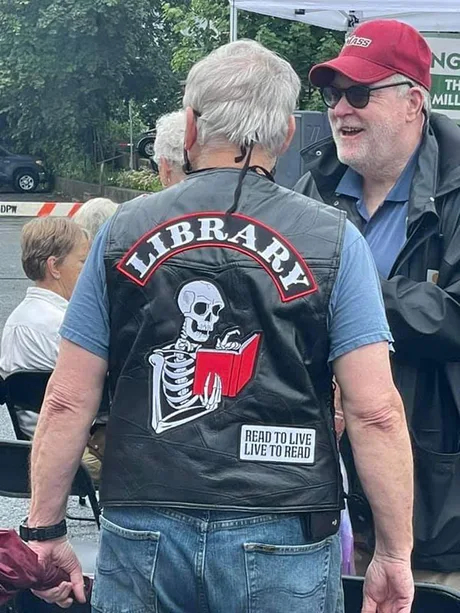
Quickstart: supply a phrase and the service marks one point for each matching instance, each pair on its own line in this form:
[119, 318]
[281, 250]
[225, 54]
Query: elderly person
[94, 213]
[53, 253]
[393, 166]
[169, 147]
[220, 308]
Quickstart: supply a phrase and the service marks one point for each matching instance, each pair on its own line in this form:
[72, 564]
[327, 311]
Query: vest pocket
[289, 578]
[124, 570]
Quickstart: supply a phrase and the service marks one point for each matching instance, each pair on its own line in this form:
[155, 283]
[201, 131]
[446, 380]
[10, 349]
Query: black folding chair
[429, 597]
[24, 392]
[14, 475]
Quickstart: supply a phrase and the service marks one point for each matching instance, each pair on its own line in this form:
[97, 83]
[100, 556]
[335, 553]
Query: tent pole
[233, 21]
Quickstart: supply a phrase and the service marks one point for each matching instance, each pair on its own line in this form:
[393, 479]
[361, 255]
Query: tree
[202, 25]
[69, 66]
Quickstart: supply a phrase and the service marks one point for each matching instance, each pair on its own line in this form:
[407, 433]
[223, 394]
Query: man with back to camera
[221, 485]
[394, 167]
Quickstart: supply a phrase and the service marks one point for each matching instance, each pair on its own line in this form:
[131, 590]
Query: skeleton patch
[190, 376]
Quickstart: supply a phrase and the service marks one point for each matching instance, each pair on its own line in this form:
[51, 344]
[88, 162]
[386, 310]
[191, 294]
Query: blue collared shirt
[385, 231]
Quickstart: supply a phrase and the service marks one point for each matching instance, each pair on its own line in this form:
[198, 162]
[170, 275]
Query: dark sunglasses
[357, 96]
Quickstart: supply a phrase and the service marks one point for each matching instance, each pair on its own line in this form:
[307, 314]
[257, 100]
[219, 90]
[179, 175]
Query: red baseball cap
[376, 50]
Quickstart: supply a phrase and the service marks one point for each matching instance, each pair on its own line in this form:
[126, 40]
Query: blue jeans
[172, 561]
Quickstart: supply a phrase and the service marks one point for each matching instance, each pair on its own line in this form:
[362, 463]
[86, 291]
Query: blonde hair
[45, 237]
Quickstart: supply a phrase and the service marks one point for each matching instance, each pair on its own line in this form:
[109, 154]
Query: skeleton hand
[182, 344]
[211, 402]
[226, 344]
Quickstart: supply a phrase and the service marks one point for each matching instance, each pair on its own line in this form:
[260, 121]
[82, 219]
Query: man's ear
[290, 134]
[190, 129]
[415, 106]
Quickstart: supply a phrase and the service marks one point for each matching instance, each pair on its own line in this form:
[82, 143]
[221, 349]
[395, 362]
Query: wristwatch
[42, 533]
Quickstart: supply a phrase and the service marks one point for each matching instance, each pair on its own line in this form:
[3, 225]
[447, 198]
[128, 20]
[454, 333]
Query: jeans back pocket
[124, 570]
[295, 579]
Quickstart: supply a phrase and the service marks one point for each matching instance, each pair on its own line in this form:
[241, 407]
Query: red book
[235, 368]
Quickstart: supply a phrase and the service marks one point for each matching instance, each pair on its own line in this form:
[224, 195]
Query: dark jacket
[195, 424]
[424, 318]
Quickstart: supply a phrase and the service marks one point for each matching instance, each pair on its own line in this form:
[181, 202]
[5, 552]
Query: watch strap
[42, 533]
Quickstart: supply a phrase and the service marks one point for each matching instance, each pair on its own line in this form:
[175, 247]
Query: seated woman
[53, 253]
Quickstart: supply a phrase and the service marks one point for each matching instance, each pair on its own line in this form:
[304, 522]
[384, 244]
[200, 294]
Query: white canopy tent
[425, 15]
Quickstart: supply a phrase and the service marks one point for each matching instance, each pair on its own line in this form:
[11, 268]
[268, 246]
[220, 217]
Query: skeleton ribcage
[177, 378]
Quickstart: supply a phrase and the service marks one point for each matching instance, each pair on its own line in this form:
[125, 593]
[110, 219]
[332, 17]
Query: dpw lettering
[8, 208]
[272, 251]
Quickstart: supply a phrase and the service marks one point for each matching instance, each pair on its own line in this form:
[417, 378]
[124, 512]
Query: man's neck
[377, 185]
[225, 158]
[377, 188]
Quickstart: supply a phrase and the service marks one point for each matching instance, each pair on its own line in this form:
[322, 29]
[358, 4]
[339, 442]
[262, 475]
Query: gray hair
[242, 93]
[169, 139]
[402, 92]
[94, 213]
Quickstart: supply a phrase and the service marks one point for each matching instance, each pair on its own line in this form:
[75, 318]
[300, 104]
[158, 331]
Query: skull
[200, 302]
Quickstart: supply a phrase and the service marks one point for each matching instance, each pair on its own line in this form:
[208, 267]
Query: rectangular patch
[432, 275]
[278, 444]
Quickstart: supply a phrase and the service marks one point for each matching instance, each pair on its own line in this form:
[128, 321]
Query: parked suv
[23, 173]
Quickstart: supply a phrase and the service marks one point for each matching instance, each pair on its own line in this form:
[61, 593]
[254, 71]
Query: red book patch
[235, 368]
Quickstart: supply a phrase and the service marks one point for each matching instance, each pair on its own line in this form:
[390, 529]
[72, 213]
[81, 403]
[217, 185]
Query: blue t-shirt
[356, 310]
[385, 231]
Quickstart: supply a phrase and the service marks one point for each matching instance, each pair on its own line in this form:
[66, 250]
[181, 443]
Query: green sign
[445, 73]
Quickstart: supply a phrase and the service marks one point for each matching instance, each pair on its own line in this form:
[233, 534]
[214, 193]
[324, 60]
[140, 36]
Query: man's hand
[388, 587]
[60, 553]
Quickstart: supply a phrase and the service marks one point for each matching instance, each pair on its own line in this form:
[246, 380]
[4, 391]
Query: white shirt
[30, 339]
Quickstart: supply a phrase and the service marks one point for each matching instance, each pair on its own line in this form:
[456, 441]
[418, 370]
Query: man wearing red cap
[395, 169]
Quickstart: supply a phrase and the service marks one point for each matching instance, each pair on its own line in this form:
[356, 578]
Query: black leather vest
[219, 347]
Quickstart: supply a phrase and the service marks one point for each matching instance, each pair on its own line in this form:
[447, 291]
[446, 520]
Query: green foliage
[203, 25]
[199, 27]
[141, 180]
[68, 67]
[115, 134]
